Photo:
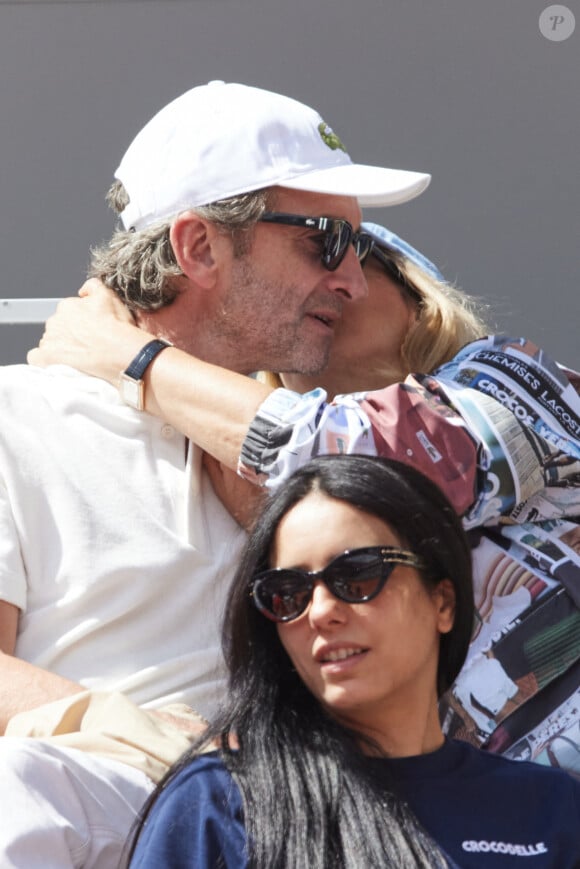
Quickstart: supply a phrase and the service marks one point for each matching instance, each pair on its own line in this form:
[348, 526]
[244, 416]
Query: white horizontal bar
[26, 310]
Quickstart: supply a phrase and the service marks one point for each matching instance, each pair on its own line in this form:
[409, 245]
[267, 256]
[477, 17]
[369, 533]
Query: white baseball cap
[220, 140]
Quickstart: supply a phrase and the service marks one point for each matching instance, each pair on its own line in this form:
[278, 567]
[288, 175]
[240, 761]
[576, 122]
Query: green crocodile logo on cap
[329, 137]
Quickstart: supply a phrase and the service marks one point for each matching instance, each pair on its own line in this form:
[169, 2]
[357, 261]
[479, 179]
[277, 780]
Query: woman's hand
[93, 332]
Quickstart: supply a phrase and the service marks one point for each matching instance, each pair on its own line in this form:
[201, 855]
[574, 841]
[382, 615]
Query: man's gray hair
[141, 266]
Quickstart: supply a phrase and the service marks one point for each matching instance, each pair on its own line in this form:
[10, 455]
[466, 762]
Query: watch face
[132, 391]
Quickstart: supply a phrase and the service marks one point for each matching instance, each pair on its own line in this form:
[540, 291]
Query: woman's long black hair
[308, 795]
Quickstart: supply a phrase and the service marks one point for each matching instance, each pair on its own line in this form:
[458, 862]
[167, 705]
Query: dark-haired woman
[350, 613]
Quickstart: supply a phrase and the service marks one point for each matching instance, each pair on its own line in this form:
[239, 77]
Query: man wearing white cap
[240, 242]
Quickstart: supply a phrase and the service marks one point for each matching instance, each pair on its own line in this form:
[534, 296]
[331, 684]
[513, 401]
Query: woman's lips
[340, 659]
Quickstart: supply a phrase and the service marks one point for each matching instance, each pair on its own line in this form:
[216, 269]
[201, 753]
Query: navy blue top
[482, 809]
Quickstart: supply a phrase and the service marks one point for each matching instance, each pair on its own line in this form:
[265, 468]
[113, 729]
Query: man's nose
[348, 279]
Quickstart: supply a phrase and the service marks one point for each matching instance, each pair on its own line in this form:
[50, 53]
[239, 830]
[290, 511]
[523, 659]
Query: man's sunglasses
[338, 235]
[356, 576]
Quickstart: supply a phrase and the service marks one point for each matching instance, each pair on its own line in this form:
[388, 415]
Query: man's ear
[195, 245]
[444, 601]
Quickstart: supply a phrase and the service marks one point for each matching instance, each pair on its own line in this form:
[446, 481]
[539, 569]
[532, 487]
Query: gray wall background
[471, 92]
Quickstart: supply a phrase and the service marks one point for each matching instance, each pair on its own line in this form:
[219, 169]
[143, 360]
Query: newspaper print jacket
[498, 428]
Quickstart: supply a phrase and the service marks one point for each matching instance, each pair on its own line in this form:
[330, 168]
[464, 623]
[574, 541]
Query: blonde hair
[446, 320]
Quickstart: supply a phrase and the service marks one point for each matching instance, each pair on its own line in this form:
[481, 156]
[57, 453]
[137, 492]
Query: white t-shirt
[113, 543]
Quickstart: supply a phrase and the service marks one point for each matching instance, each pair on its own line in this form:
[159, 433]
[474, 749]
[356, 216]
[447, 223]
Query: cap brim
[371, 185]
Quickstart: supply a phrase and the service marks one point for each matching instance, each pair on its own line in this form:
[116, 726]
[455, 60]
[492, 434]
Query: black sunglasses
[393, 271]
[338, 235]
[356, 576]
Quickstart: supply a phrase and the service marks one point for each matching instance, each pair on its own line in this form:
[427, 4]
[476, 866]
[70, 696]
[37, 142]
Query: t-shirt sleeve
[13, 587]
[196, 821]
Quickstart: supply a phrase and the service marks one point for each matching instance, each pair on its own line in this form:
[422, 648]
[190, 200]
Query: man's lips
[328, 318]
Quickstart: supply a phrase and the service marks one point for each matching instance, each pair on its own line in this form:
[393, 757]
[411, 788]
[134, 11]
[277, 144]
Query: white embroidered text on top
[483, 847]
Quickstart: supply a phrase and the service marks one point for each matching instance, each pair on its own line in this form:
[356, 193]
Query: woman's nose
[325, 605]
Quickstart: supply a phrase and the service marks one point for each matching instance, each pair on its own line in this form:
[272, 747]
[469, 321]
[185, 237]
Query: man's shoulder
[14, 375]
[19, 382]
[34, 400]
[11, 373]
